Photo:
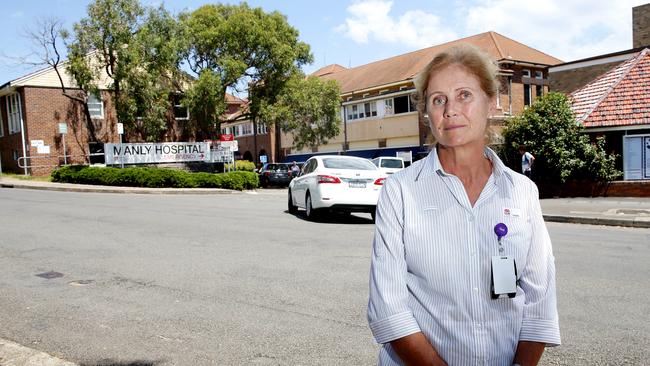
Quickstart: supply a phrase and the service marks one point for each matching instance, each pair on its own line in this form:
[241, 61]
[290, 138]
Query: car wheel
[292, 208]
[312, 213]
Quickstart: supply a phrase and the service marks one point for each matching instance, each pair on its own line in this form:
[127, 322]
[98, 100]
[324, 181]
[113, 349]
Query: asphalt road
[236, 280]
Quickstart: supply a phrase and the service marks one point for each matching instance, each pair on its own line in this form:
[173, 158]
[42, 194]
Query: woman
[435, 252]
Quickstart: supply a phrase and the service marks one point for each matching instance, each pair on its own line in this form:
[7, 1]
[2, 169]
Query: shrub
[154, 178]
[244, 165]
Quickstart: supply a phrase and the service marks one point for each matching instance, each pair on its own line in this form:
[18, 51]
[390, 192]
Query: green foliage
[242, 165]
[560, 145]
[240, 46]
[308, 108]
[206, 103]
[153, 178]
[138, 49]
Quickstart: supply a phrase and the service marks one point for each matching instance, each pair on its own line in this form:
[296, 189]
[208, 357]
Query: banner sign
[167, 152]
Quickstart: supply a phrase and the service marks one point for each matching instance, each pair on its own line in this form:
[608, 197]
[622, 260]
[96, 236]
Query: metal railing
[26, 161]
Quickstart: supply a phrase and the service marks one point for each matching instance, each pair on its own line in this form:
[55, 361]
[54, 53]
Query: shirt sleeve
[540, 318]
[389, 315]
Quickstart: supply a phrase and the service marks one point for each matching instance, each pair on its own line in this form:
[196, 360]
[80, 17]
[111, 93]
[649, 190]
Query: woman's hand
[415, 349]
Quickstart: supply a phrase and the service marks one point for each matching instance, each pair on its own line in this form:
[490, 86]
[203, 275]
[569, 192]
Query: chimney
[641, 26]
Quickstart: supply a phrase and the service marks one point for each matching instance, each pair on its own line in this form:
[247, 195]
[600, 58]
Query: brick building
[31, 109]
[379, 118]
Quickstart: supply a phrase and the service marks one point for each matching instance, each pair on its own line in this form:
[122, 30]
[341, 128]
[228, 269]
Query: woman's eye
[439, 101]
[465, 95]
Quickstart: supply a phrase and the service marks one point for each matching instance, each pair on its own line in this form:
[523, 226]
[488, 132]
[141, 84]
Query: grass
[26, 177]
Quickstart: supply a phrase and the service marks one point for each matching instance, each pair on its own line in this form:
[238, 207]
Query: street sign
[120, 129]
[263, 159]
[232, 145]
[63, 128]
[226, 137]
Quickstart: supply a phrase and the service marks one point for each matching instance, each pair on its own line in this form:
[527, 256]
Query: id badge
[504, 277]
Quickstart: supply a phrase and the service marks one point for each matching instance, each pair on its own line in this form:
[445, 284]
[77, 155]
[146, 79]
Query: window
[539, 74]
[180, 111]
[525, 73]
[355, 113]
[14, 154]
[244, 129]
[371, 109]
[526, 94]
[343, 163]
[225, 131]
[14, 112]
[262, 129]
[388, 106]
[539, 90]
[95, 106]
[403, 104]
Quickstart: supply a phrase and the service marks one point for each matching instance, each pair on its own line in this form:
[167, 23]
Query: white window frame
[389, 110]
[180, 106]
[14, 113]
[93, 101]
[530, 95]
[539, 74]
[262, 129]
[525, 73]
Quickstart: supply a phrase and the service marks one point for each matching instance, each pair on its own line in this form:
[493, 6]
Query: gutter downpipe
[22, 129]
[345, 129]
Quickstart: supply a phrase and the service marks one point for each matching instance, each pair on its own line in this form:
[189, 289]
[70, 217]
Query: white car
[389, 164]
[336, 183]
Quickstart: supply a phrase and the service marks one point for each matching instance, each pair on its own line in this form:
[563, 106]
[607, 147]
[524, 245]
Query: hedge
[242, 165]
[153, 178]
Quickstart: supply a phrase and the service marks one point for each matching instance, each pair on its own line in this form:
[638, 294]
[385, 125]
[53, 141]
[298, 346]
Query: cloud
[566, 29]
[371, 20]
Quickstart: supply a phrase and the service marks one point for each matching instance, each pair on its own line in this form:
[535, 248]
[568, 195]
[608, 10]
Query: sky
[356, 32]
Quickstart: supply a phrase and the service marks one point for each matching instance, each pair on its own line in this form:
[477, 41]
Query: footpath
[630, 212]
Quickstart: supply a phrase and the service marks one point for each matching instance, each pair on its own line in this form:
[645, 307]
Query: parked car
[275, 174]
[336, 183]
[389, 164]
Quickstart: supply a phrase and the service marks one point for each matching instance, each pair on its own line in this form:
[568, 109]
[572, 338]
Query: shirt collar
[433, 166]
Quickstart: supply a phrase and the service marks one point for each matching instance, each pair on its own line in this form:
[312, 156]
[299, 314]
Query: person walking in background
[527, 160]
[462, 268]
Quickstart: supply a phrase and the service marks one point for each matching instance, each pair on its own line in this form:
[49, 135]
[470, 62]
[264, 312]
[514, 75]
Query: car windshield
[277, 167]
[341, 163]
[391, 163]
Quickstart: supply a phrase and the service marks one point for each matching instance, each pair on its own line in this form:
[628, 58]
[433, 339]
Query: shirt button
[478, 325]
[473, 253]
[470, 218]
[476, 289]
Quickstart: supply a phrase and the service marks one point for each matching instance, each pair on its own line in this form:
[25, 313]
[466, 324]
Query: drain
[80, 282]
[50, 275]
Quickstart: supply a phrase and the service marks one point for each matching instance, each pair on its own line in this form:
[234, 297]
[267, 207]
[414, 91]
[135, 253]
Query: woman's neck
[469, 164]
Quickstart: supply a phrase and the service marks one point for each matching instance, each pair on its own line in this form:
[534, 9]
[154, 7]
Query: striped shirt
[431, 263]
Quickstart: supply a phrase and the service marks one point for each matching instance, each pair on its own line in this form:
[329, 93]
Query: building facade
[377, 107]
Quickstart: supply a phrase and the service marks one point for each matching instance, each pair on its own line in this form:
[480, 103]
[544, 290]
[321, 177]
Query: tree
[308, 108]
[242, 47]
[559, 143]
[47, 34]
[102, 46]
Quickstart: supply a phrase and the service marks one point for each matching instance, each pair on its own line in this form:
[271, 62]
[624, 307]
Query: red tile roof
[404, 67]
[620, 97]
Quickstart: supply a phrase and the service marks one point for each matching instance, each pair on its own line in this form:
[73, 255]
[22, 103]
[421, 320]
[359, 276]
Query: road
[236, 280]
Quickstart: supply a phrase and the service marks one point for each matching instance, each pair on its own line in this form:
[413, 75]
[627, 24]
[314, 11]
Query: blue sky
[356, 32]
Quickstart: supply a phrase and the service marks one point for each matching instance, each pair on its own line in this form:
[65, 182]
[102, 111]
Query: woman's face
[457, 107]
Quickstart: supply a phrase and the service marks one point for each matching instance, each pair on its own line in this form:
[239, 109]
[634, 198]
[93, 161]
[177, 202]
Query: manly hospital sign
[167, 152]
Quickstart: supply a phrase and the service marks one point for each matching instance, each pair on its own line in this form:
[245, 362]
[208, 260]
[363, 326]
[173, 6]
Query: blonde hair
[471, 58]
